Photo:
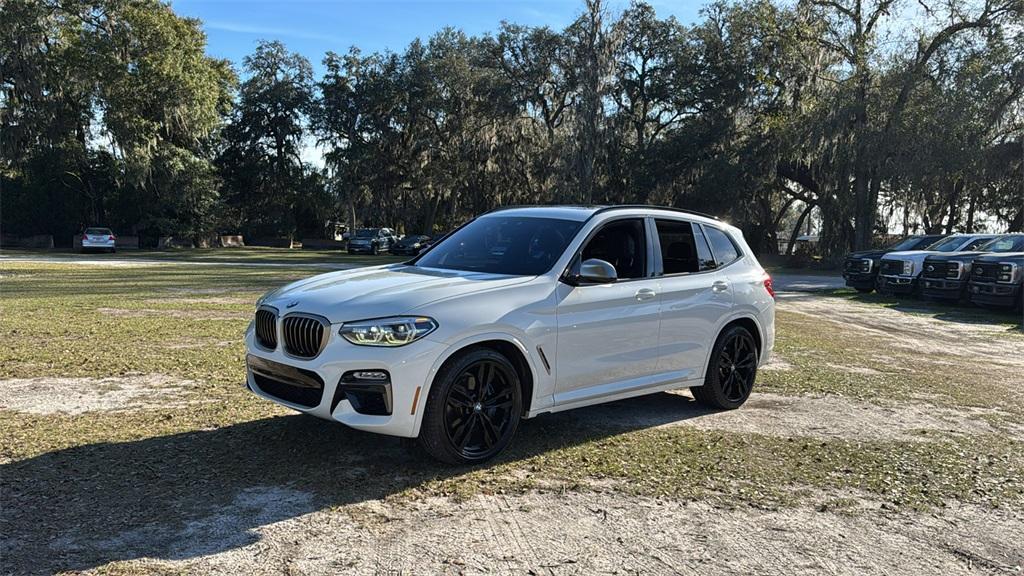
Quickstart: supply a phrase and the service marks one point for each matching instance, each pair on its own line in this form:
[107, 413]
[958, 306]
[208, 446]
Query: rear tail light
[768, 285]
[112, 237]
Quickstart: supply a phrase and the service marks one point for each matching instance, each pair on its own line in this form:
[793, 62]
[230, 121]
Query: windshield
[1005, 244]
[948, 244]
[98, 231]
[366, 233]
[905, 244]
[503, 245]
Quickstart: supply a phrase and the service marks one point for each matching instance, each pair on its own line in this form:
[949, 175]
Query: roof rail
[650, 207]
[607, 208]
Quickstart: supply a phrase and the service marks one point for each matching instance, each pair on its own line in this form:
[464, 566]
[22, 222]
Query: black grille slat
[891, 267]
[941, 270]
[987, 271]
[266, 329]
[303, 336]
[856, 265]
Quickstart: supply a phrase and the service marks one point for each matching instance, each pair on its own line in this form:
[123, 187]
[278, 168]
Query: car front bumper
[360, 248]
[897, 284]
[411, 368]
[942, 289]
[994, 294]
[860, 280]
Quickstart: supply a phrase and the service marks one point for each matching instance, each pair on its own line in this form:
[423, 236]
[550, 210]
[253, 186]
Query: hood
[872, 254]
[912, 255]
[965, 256]
[1017, 257]
[380, 291]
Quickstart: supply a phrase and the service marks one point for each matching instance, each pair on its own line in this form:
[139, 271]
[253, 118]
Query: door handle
[645, 294]
[719, 286]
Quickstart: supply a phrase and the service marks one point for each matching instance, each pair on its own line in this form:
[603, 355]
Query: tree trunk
[972, 207]
[796, 229]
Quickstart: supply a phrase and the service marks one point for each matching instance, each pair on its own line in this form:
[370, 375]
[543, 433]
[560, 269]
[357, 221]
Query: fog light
[371, 375]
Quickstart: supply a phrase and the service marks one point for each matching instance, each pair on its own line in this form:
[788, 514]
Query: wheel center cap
[478, 407]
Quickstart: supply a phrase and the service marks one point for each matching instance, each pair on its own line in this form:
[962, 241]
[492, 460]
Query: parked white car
[99, 239]
[898, 272]
[520, 312]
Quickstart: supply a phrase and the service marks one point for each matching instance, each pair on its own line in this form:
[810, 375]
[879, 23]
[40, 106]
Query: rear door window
[678, 247]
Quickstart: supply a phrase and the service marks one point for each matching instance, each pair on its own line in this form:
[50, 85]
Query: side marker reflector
[415, 401]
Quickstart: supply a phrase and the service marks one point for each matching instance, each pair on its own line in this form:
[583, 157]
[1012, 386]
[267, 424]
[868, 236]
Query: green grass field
[75, 321]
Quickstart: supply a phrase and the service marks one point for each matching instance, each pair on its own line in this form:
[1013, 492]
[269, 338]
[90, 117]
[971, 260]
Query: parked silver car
[99, 239]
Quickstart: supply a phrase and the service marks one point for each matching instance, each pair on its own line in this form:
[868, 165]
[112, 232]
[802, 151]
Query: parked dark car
[945, 276]
[996, 278]
[411, 244]
[371, 241]
[861, 268]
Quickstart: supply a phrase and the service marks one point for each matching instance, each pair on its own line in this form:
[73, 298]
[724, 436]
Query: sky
[312, 27]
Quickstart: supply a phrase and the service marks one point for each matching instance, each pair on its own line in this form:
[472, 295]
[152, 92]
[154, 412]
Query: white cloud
[269, 31]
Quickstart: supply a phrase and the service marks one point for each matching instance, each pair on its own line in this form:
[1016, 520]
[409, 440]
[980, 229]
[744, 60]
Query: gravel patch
[916, 334]
[81, 395]
[826, 417]
[595, 533]
[173, 313]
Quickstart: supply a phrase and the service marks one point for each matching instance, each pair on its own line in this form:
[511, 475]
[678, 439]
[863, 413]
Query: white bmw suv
[520, 312]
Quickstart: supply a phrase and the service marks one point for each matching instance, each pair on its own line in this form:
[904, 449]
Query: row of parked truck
[985, 269]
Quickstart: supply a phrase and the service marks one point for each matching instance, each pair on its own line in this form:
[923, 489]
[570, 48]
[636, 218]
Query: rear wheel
[731, 372]
[473, 409]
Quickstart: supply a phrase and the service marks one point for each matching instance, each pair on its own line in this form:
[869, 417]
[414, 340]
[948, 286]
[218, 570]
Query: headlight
[865, 265]
[416, 245]
[908, 268]
[397, 331]
[1007, 272]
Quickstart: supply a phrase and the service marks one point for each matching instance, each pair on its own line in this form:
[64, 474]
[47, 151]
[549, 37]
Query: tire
[731, 371]
[468, 423]
[375, 250]
[865, 290]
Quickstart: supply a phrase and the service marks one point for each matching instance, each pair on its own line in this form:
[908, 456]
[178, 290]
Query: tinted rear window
[722, 246]
[98, 231]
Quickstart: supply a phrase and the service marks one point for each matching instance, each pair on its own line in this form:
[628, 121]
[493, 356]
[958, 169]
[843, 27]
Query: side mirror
[594, 271]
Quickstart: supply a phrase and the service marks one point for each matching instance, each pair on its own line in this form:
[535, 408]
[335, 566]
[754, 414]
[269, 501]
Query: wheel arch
[746, 321]
[506, 345]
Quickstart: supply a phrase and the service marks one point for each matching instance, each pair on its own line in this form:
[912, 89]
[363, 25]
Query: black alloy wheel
[473, 409]
[731, 372]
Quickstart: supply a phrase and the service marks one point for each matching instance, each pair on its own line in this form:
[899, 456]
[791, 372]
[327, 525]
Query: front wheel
[731, 371]
[473, 409]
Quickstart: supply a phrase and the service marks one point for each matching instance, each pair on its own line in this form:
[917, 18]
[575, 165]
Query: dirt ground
[593, 533]
[284, 527]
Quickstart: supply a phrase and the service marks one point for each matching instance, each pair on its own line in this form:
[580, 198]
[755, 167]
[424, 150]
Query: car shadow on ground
[203, 492]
